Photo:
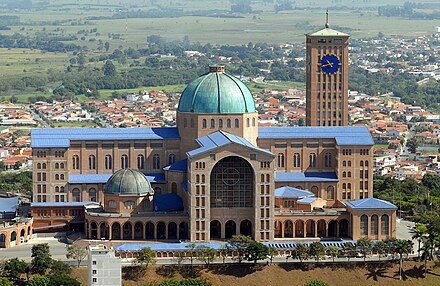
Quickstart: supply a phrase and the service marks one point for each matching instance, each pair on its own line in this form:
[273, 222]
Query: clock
[329, 64]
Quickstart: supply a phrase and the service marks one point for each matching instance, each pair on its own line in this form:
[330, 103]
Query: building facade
[216, 174]
[103, 266]
[327, 78]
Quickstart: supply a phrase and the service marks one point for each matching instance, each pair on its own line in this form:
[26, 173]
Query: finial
[326, 19]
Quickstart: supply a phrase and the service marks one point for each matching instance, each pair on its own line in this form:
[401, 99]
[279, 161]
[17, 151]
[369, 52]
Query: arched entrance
[321, 228]
[232, 184]
[2, 240]
[246, 228]
[299, 228]
[172, 230]
[116, 230]
[310, 228]
[332, 228]
[149, 230]
[104, 230]
[23, 235]
[278, 229]
[128, 231]
[183, 231]
[288, 229]
[343, 228]
[215, 229]
[138, 231]
[161, 233]
[230, 229]
[94, 230]
[13, 241]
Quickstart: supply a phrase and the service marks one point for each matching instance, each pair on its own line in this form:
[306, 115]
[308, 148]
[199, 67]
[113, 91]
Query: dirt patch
[356, 274]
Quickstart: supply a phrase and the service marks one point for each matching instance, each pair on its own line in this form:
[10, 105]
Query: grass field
[70, 124]
[291, 275]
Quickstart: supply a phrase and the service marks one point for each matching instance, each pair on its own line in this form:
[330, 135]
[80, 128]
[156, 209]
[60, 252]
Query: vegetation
[316, 282]
[146, 256]
[41, 258]
[16, 182]
[77, 253]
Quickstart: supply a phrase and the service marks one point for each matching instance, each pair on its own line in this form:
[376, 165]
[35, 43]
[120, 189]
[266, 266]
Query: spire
[326, 20]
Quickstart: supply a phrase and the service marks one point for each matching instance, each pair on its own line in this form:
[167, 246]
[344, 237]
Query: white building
[104, 267]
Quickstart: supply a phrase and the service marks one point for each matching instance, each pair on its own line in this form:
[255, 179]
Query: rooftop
[370, 203]
[291, 193]
[306, 177]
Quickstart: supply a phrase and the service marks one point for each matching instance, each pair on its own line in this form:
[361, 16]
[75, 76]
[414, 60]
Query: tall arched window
[92, 195]
[328, 160]
[228, 123]
[185, 122]
[92, 162]
[203, 179]
[385, 225]
[364, 225]
[197, 179]
[212, 123]
[344, 163]
[349, 174]
[374, 225]
[171, 159]
[280, 160]
[237, 123]
[76, 195]
[124, 162]
[362, 163]
[315, 191]
[57, 165]
[296, 160]
[141, 162]
[39, 166]
[312, 158]
[75, 162]
[44, 166]
[349, 163]
[366, 163]
[344, 174]
[204, 123]
[248, 122]
[61, 165]
[156, 161]
[220, 123]
[57, 177]
[192, 122]
[330, 193]
[253, 122]
[108, 162]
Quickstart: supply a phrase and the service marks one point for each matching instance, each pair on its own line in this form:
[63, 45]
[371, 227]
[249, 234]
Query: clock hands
[328, 64]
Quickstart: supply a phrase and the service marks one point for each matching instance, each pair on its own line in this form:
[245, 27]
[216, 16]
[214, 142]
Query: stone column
[282, 229]
[98, 231]
[304, 229]
[316, 229]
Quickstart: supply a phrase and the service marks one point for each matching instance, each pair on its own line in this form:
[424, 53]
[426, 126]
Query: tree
[146, 256]
[15, 267]
[5, 282]
[380, 248]
[419, 232]
[273, 251]
[256, 251]
[412, 145]
[41, 258]
[316, 249]
[349, 250]
[106, 46]
[191, 251]
[39, 280]
[301, 251]
[205, 254]
[239, 244]
[57, 280]
[426, 253]
[332, 251]
[59, 268]
[402, 247]
[77, 253]
[316, 282]
[364, 245]
[224, 252]
[109, 69]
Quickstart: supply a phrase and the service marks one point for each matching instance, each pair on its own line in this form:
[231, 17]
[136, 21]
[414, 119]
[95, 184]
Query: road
[38, 118]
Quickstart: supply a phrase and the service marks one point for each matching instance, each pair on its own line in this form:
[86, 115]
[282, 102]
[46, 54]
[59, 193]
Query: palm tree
[333, 251]
[419, 231]
[302, 251]
[427, 253]
[402, 247]
[364, 245]
[380, 248]
[349, 250]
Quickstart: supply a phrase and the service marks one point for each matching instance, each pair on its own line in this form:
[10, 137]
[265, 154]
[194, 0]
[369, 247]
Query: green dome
[217, 92]
[128, 182]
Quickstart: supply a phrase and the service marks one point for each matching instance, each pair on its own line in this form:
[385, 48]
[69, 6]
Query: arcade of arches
[311, 228]
[230, 229]
[161, 230]
[15, 234]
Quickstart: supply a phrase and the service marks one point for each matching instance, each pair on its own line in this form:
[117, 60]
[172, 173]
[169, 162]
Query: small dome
[217, 93]
[128, 182]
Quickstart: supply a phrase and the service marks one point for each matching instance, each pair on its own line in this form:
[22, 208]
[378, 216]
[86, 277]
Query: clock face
[329, 64]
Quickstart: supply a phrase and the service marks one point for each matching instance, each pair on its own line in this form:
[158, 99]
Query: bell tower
[327, 77]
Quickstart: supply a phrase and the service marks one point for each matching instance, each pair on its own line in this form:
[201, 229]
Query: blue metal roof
[291, 193]
[103, 178]
[8, 205]
[220, 139]
[167, 202]
[184, 185]
[344, 135]
[181, 166]
[306, 201]
[370, 203]
[61, 137]
[306, 177]
[63, 204]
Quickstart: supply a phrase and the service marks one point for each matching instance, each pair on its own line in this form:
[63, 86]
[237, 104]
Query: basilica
[217, 173]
